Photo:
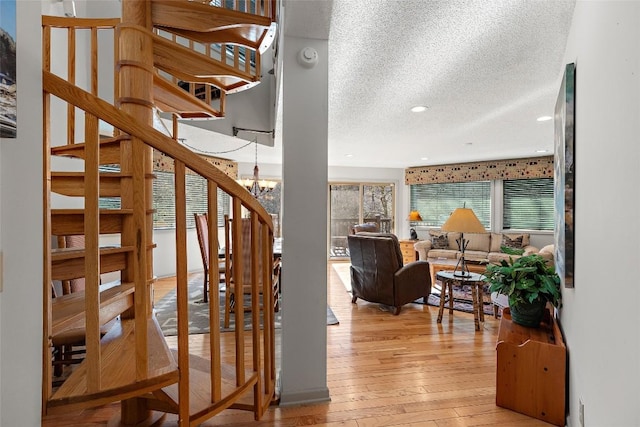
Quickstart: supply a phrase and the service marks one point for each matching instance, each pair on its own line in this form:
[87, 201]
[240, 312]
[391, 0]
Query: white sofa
[482, 247]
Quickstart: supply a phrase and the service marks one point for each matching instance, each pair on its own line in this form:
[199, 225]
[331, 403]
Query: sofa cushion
[478, 241]
[547, 252]
[439, 240]
[453, 236]
[496, 242]
[443, 253]
[497, 257]
[475, 255]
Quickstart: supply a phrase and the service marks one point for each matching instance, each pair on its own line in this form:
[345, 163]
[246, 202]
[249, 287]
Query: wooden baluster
[214, 294]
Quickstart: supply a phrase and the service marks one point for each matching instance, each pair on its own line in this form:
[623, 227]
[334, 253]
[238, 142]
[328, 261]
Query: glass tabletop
[469, 277]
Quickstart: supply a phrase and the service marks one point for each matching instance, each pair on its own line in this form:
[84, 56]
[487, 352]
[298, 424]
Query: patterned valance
[535, 167]
[164, 163]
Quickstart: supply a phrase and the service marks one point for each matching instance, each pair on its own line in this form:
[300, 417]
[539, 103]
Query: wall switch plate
[581, 411]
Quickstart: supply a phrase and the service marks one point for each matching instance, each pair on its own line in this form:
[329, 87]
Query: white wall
[600, 316]
[304, 225]
[21, 231]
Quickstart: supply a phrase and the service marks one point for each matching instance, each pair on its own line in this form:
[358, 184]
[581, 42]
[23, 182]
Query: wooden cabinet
[531, 369]
[409, 254]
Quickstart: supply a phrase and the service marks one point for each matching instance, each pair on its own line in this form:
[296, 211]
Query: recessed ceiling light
[418, 109]
[544, 118]
[542, 151]
[424, 158]
[348, 155]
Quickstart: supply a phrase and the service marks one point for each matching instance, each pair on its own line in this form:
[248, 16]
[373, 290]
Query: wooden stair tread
[68, 263]
[67, 311]
[200, 402]
[72, 183]
[257, 38]
[201, 17]
[118, 370]
[61, 254]
[192, 66]
[171, 98]
[109, 150]
[68, 222]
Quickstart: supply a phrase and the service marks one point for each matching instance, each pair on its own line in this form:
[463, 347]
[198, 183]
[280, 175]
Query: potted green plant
[529, 283]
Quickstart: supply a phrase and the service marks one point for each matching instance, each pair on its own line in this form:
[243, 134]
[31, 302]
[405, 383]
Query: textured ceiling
[485, 69]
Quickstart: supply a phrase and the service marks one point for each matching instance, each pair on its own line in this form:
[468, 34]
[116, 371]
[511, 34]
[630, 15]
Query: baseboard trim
[306, 397]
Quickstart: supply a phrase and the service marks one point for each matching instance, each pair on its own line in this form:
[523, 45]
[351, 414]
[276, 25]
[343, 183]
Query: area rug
[342, 270]
[461, 295]
[461, 302]
[165, 310]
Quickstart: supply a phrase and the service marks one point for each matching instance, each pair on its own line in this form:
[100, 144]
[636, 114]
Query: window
[164, 199]
[196, 193]
[435, 202]
[356, 203]
[528, 204]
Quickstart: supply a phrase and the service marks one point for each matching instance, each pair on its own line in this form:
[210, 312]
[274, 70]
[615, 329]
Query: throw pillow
[439, 241]
[514, 243]
[511, 251]
[525, 237]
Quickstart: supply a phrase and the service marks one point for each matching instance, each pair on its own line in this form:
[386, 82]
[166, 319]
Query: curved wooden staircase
[160, 47]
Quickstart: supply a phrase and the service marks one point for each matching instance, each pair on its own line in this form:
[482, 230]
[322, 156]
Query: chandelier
[254, 185]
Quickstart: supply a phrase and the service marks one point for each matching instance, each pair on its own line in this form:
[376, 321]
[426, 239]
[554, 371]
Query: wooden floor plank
[382, 370]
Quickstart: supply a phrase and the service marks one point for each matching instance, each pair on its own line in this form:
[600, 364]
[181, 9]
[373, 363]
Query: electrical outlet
[581, 412]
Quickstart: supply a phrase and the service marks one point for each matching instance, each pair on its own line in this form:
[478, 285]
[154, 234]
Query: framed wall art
[564, 176]
[8, 69]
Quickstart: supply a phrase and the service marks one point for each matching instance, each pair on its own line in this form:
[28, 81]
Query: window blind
[528, 204]
[436, 202]
[164, 199]
[196, 198]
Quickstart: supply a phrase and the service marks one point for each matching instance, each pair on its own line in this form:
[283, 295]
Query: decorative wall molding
[164, 163]
[534, 167]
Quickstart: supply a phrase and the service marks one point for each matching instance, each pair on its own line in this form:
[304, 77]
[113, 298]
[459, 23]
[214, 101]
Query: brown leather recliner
[377, 273]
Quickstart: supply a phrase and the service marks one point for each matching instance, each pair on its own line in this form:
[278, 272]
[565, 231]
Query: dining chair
[202, 230]
[230, 290]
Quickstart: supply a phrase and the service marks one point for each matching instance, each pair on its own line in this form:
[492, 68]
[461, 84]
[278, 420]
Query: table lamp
[414, 216]
[463, 220]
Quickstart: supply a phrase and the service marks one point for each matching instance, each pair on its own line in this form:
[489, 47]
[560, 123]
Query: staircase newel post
[135, 68]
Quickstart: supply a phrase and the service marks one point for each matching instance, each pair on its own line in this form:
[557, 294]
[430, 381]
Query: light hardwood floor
[382, 370]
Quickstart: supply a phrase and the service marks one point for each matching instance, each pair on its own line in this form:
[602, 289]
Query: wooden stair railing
[133, 359]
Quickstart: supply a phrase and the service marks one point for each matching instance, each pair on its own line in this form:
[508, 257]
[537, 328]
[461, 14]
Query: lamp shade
[414, 216]
[463, 220]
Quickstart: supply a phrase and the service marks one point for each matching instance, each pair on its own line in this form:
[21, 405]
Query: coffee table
[475, 280]
[443, 264]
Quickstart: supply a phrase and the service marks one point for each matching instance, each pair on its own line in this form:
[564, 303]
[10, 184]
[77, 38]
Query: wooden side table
[475, 280]
[409, 253]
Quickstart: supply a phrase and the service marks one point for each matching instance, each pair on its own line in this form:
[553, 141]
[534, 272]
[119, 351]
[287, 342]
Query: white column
[304, 224]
